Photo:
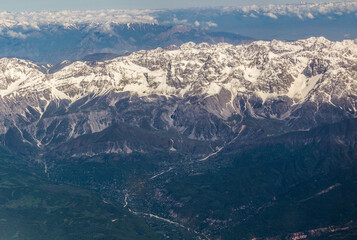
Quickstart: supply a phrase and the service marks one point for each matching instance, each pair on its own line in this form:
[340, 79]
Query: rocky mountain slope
[143, 128]
[301, 83]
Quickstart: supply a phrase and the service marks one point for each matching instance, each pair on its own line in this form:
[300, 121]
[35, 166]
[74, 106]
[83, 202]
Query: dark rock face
[316, 66]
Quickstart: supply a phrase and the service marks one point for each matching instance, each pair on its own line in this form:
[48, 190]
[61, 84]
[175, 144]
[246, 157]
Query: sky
[56, 5]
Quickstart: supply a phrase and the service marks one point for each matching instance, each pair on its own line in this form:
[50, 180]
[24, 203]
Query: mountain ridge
[276, 80]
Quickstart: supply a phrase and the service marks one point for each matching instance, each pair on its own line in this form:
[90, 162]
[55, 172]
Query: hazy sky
[39, 5]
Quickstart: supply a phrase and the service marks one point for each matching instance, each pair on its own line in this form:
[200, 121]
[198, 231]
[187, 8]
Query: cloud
[179, 22]
[301, 10]
[211, 24]
[71, 19]
[309, 15]
[271, 15]
[253, 15]
[104, 19]
[14, 34]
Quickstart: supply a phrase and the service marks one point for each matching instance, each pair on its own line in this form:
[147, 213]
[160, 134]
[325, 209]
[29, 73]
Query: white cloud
[177, 21]
[301, 10]
[34, 20]
[309, 15]
[103, 19]
[211, 24]
[13, 34]
[253, 15]
[271, 15]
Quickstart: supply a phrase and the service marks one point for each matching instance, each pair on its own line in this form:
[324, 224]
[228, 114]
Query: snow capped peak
[266, 69]
[188, 45]
[261, 80]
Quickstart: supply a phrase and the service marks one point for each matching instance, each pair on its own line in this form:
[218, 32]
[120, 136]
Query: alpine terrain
[220, 141]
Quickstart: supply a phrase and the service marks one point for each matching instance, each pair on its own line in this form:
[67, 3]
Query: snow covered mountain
[211, 138]
[203, 92]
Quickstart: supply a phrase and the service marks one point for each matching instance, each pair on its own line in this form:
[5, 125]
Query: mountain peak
[268, 69]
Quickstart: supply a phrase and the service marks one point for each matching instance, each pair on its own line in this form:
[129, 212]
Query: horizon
[93, 5]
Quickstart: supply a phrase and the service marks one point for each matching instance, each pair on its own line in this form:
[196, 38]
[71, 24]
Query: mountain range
[223, 141]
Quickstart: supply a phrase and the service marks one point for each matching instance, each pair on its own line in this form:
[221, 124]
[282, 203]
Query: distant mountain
[53, 37]
[222, 140]
[56, 43]
[98, 57]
